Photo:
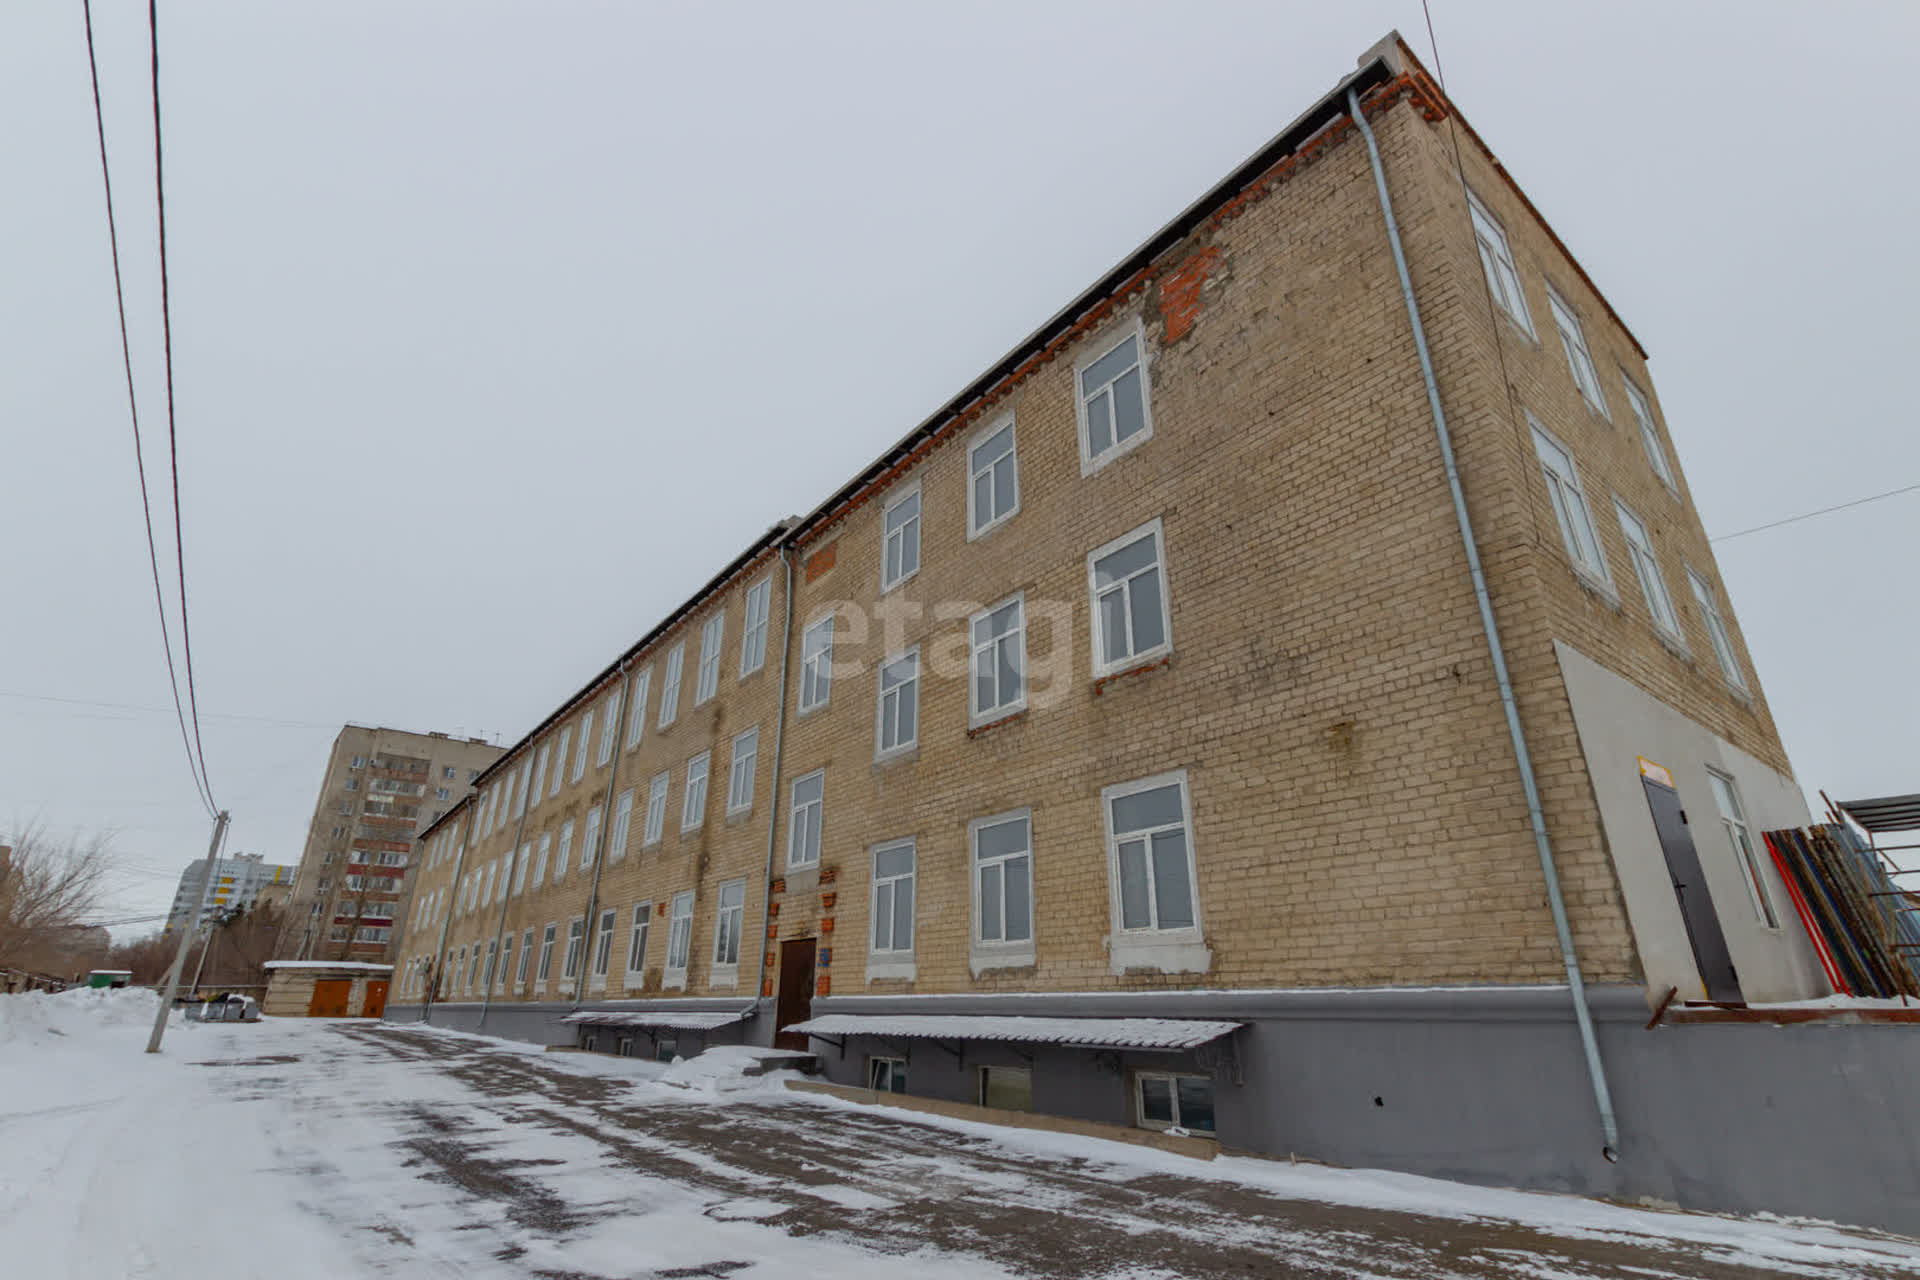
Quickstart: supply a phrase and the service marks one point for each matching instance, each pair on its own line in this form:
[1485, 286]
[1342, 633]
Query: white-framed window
[562, 851]
[803, 830]
[746, 758]
[1150, 855]
[546, 952]
[637, 709]
[1127, 591]
[497, 973]
[590, 838]
[670, 687]
[559, 761]
[441, 793]
[358, 762]
[712, 636]
[1503, 278]
[887, 1075]
[1168, 1100]
[999, 646]
[993, 478]
[603, 947]
[1573, 340]
[897, 726]
[693, 805]
[1570, 509]
[900, 538]
[580, 751]
[893, 880]
[540, 759]
[656, 810]
[728, 918]
[679, 938]
[447, 772]
[816, 664]
[1002, 854]
[622, 825]
[1112, 402]
[637, 942]
[526, 958]
[1649, 434]
[576, 943]
[1733, 820]
[1717, 633]
[540, 860]
[609, 729]
[522, 866]
[1646, 567]
[753, 636]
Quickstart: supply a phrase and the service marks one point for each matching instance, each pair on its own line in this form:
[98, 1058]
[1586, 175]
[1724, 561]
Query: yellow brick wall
[1357, 815]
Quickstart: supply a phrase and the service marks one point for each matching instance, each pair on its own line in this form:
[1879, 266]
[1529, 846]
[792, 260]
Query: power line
[130, 706]
[173, 447]
[1824, 511]
[133, 407]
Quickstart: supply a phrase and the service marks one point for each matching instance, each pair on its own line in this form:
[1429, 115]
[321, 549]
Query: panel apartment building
[1136, 741]
[380, 788]
[238, 882]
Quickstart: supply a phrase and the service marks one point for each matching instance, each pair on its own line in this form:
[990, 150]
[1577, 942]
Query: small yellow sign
[1658, 772]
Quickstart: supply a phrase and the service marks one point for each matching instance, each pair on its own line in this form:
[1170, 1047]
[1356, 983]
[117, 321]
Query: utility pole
[186, 935]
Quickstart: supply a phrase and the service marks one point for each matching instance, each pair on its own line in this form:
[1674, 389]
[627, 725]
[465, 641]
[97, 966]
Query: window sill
[1182, 952]
[597, 985]
[1597, 586]
[999, 719]
[974, 535]
[1675, 645]
[803, 712]
[727, 976]
[897, 755]
[1148, 664]
[1089, 464]
[981, 959]
[674, 980]
[890, 965]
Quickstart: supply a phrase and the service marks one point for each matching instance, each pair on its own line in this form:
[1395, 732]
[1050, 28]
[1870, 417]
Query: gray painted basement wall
[1485, 1085]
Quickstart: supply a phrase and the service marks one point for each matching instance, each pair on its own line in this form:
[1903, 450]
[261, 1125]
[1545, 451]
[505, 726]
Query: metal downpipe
[773, 786]
[1583, 1015]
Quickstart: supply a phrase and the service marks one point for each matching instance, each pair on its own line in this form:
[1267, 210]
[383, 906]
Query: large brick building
[1151, 682]
[381, 786]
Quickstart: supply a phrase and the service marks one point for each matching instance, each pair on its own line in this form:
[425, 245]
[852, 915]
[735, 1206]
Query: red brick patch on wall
[1180, 292]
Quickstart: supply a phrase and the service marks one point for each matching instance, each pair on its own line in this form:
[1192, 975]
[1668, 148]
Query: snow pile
[728, 1069]
[35, 1015]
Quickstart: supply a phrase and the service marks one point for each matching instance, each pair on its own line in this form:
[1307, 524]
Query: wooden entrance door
[376, 1002]
[795, 1001]
[330, 996]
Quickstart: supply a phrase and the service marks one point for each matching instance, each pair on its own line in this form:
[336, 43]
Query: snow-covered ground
[338, 1150]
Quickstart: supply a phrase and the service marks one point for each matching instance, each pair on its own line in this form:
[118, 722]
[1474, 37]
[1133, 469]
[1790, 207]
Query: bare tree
[49, 890]
[146, 958]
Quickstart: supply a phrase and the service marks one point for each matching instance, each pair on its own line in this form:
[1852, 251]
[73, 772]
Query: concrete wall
[540, 1023]
[1619, 723]
[1487, 1085]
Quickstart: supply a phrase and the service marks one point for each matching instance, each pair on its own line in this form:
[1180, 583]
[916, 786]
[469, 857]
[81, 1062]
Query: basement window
[1164, 1101]
[887, 1075]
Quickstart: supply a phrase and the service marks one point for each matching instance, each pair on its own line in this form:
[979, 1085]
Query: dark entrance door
[795, 1001]
[1690, 891]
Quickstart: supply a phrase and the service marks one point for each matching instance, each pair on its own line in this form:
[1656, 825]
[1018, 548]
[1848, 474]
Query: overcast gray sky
[498, 328]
